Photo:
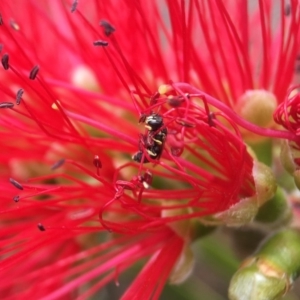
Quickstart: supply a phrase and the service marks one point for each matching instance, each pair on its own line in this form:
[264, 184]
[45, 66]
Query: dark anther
[41, 227]
[108, 28]
[16, 198]
[211, 118]
[74, 6]
[101, 43]
[6, 105]
[16, 184]
[287, 10]
[19, 95]
[58, 164]
[4, 60]
[34, 72]
[175, 101]
[97, 162]
[1, 20]
[154, 98]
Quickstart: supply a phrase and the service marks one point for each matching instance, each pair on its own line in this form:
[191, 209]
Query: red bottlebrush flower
[78, 211]
[287, 113]
[241, 48]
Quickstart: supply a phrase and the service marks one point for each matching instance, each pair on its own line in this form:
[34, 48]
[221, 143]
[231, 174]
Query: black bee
[153, 145]
[154, 122]
[153, 151]
[153, 141]
[138, 157]
[160, 137]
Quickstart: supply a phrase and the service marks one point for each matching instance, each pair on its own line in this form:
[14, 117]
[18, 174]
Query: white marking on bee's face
[149, 118]
[158, 141]
[151, 153]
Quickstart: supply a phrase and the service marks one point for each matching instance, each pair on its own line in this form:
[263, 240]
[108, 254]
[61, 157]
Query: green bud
[265, 182]
[257, 107]
[249, 283]
[276, 211]
[244, 211]
[283, 250]
[270, 273]
[241, 213]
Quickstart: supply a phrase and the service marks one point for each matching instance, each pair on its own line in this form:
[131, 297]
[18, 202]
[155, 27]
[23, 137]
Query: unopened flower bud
[240, 213]
[270, 273]
[251, 283]
[257, 107]
[265, 183]
[246, 209]
[276, 211]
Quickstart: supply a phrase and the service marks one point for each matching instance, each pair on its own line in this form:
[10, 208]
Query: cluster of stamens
[287, 113]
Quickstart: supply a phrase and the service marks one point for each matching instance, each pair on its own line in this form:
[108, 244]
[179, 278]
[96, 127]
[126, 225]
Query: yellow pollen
[165, 88]
[54, 105]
